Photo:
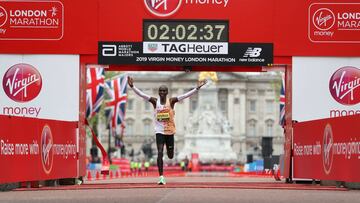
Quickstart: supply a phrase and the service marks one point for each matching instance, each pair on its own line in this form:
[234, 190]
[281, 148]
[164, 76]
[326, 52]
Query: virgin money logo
[344, 85]
[327, 154]
[163, 8]
[22, 82]
[47, 155]
[3, 16]
[323, 19]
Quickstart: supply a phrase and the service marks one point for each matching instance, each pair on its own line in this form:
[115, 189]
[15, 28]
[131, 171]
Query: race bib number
[163, 116]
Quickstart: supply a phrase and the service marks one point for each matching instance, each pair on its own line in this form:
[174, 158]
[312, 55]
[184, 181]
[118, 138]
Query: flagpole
[109, 143]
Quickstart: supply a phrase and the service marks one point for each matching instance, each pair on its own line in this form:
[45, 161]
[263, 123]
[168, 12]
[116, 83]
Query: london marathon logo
[22, 82]
[328, 154]
[163, 8]
[344, 85]
[46, 149]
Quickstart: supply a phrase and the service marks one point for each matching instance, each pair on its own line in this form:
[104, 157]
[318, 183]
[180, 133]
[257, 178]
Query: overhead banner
[185, 53]
[327, 149]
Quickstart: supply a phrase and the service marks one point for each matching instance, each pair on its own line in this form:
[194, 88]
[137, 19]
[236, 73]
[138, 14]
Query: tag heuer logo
[152, 47]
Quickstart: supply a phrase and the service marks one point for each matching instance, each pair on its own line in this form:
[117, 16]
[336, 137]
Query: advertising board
[325, 87]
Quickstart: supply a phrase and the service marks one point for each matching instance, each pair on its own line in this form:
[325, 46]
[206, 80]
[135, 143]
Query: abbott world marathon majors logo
[165, 8]
[344, 85]
[327, 155]
[47, 155]
[22, 82]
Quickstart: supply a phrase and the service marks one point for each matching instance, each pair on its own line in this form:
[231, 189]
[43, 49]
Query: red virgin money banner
[327, 149]
[37, 149]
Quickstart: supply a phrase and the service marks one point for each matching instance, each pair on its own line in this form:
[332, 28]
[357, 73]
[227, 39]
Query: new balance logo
[157, 3]
[253, 52]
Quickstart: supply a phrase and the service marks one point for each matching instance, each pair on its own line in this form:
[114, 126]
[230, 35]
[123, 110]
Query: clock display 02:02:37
[186, 31]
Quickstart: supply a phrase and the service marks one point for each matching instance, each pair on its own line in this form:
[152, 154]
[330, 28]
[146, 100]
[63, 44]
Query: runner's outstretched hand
[201, 83]
[130, 81]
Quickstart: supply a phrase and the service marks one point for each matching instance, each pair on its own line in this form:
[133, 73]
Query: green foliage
[112, 74]
[276, 83]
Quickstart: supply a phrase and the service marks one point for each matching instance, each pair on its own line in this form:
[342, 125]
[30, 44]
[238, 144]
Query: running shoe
[161, 180]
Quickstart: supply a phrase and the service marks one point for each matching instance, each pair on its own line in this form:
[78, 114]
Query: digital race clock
[185, 43]
[186, 30]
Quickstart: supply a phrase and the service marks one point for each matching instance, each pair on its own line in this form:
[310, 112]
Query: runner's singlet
[164, 118]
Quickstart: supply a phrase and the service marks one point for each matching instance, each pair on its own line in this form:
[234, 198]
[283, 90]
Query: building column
[243, 112]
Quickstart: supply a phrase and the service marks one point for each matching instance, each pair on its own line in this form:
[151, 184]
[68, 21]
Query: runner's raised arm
[187, 94]
[140, 93]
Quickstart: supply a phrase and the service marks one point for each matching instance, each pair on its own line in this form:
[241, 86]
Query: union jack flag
[282, 102]
[115, 105]
[94, 90]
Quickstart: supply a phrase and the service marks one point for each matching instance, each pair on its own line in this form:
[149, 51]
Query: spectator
[190, 166]
[186, 160]
[146, 165]
[182, 165]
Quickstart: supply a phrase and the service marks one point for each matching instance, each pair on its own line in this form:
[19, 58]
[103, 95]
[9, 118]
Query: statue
[208, 132]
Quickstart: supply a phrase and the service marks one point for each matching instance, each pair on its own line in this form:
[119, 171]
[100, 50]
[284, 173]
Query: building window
[193, 101]
[223, 105]
[269, 106]
[223, 100]
[129, 127]
[193, 105]
[130, 104]
[147, 106]
[261, 92]
[146, 129]
[252, 106]
[147, 125]
[236, 101]
[269, 128]
[252, 128]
